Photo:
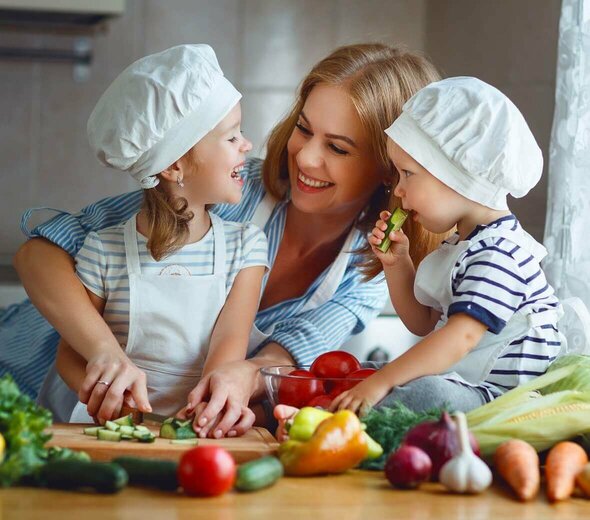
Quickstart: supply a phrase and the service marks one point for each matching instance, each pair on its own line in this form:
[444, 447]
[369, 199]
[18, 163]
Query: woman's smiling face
[332, 167]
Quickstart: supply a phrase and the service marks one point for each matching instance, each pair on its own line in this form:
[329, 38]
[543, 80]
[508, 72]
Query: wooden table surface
[355, 495]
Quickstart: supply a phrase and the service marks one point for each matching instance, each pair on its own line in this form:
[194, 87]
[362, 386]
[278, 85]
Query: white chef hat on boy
[158, 108]
[472, 138]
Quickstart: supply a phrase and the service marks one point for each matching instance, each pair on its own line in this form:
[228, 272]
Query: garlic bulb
[465, 472]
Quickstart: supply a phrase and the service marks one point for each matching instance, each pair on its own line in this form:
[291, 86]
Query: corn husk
[542, 412]
[577, 380]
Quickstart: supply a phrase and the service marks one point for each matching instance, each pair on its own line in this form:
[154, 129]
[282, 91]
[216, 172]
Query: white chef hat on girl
[472, 138]
[158, 108]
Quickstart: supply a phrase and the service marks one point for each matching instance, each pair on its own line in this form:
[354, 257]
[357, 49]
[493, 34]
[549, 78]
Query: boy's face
[432, 203]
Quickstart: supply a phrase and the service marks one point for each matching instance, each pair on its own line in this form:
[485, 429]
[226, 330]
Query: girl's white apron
[169, 310]
[171, 319]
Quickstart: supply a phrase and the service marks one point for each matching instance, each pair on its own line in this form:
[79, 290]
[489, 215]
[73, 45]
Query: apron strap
[24, 221]
[131, 250]
[220, 245]
[264, 211]
[332, 281]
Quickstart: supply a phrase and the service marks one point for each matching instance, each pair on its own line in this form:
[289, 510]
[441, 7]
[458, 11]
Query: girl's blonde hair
[168, 217]
[379, 79]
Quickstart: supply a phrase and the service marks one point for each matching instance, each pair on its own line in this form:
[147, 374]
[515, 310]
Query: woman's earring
[387, 188]
[179, 182]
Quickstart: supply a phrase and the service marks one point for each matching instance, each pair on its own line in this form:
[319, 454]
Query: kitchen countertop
[355, 495]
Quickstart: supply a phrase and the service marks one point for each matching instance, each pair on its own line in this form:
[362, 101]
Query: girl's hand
[361, 398]
[110, 382]
[400, 245]
[219, 402]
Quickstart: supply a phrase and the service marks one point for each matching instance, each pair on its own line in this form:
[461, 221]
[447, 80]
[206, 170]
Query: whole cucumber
[156, 473]
[103, 477]
[258, 474]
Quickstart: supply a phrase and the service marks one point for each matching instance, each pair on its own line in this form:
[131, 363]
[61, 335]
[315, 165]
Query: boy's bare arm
[433, 355]
[418, 318]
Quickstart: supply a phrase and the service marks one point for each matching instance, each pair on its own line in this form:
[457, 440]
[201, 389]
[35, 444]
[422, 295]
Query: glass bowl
[284, 387]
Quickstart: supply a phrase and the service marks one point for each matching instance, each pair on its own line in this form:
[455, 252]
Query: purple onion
[439, 440]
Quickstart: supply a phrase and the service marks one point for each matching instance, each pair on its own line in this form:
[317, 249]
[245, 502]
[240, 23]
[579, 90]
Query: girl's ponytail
[168, 220]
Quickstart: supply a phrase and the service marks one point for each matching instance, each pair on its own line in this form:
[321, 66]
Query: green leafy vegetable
[388, 427]
[22, 423]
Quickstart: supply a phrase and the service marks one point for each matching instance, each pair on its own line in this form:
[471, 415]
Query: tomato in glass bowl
[298, 386]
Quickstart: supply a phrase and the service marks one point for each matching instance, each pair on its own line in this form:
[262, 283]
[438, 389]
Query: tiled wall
[265, 47]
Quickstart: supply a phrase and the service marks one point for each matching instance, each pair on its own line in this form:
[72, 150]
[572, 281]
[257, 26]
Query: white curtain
[567, 228]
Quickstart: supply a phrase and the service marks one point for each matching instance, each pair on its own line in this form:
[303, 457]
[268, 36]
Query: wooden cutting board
[255, 443]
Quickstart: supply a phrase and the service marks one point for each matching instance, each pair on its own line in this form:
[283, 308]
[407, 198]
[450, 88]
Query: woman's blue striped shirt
[28, 342]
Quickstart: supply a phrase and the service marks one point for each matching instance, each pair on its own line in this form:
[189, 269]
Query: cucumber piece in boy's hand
[395, 223]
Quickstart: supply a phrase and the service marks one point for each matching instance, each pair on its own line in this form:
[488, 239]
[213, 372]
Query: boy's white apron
[171, 319]
[433, 287]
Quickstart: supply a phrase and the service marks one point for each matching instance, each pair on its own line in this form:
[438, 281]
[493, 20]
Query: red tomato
[206, 471]
[322, 401]
[298, 391]
[345, 384]
[335, 364]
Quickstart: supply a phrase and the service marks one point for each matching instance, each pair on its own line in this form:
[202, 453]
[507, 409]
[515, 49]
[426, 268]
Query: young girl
[178, 286]
[481, 299]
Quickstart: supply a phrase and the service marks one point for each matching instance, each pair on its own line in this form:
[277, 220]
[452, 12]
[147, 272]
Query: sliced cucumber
[141, 428]
[126, 430]
[126, 420]
[188, 442]
[110, 425]
[93, 430]
[395, 223]
[109, 435]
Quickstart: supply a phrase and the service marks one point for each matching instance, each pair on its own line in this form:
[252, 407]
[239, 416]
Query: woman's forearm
[48, 276]
[272, 354]
[70, 366]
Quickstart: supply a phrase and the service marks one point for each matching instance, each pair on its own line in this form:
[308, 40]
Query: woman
[316, 195]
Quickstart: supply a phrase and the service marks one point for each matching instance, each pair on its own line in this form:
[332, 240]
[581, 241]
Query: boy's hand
[400, 245]
[361, 398]
[283, 413]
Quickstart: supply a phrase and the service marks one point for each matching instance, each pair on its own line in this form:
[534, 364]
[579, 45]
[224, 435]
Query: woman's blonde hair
[379, 79]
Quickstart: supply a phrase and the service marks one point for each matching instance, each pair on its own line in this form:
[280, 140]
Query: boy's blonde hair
[379, 79]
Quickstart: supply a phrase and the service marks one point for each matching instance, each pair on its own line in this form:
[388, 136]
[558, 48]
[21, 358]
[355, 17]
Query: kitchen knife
[143, 417]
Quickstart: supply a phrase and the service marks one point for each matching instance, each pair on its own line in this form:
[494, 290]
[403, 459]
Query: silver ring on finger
[101, 382]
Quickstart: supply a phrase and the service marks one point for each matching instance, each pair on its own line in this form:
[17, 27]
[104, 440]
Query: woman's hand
[111, 381]
[400, 245]
[220, 400]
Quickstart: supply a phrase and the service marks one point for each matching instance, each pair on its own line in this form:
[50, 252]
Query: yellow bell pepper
[338, 444]
[308, 419]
